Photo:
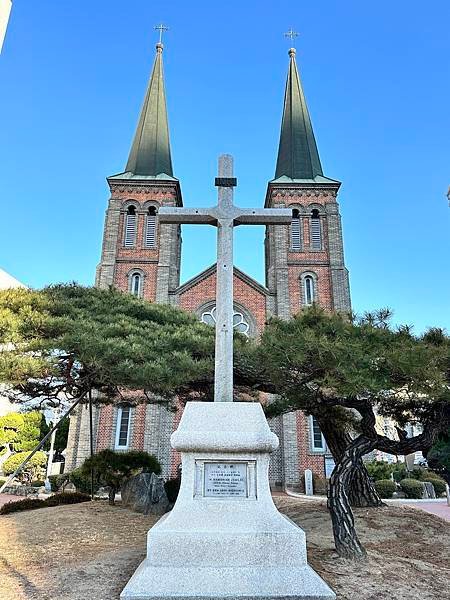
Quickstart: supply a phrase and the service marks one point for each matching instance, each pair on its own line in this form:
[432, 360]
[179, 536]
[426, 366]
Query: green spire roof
[298, 157]
[150, 152]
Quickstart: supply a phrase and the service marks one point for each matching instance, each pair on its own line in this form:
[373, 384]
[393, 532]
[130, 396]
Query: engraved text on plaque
[225, 480]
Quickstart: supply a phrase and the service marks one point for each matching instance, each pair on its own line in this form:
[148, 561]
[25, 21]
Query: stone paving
[5, 498]
[440, 509]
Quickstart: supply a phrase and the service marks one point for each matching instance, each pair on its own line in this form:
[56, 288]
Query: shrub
[412, 488]
[27, 504]
[438, 484]
[35, 464]
[385, 488]
[172, 487]
[81, 479]
[419, 474]
[111, 467]
[57, 481]
[400, 471]
[67, 498]
[37, 483]
[379, 470]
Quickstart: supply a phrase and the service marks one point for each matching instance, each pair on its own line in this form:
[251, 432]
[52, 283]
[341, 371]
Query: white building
[5, 11]
[7, 281]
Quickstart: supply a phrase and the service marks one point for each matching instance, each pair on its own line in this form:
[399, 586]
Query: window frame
[315, 449]
[308, 281]
[152, 211]
[131, 275]
[118, 446]
[297, 221]
[315, 217]
[130, 243]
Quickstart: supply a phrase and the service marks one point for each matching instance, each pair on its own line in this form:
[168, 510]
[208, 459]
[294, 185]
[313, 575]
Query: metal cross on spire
[291, 34]
[162, 29]
[225, 216]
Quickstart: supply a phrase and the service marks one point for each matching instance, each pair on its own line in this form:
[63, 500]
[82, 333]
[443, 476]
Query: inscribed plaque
[225, 480]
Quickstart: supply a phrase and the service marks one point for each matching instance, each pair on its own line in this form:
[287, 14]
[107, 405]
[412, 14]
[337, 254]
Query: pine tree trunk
[361, 492]
[345, 538]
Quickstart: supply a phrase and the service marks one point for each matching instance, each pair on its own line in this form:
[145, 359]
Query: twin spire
[150, 152]
[298, 157]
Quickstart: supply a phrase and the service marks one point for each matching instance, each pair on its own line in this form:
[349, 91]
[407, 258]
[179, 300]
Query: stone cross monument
[225, 216]
[224, 539]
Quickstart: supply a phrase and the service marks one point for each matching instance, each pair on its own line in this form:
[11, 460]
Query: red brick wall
[306, 458]
[130, 258]
[324, 291]
[105, 427]
[205, 291]
[137, 441]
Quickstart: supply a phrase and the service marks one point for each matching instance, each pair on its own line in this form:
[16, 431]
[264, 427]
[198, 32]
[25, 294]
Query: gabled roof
[210, 271]
[150, 152]
[298, 157]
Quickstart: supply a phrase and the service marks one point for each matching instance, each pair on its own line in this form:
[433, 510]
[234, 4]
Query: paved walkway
[5, 498]
[440, 509]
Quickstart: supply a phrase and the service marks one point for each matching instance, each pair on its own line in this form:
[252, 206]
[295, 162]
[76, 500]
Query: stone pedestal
[224, 537]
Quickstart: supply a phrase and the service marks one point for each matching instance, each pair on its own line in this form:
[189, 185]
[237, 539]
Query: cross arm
[187, 216]
[265, 216]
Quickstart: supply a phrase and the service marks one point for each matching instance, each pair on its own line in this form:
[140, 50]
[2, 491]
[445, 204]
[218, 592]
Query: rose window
[239, 322]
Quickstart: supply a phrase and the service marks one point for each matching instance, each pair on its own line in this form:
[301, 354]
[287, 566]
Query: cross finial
[162, 29]
[291, 34]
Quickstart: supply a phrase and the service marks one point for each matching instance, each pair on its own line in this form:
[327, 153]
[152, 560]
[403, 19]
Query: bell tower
[140, 255]
[304, 261]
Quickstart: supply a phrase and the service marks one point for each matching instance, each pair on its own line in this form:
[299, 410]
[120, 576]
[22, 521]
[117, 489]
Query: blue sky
[377, 82]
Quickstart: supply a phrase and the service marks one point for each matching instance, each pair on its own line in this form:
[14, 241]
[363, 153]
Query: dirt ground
[89, 551]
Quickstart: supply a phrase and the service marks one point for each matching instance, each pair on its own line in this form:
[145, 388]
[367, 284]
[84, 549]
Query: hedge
[27, 504]
[67, 498]
[33, 503]
[385, 487]
[412, 488]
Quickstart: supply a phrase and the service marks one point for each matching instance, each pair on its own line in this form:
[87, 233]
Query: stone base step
[225, 583]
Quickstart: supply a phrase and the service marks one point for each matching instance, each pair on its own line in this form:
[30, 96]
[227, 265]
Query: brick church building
[304, 263]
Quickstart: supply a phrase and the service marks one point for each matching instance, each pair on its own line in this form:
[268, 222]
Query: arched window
[316, 233]
[295, 231]
[130, 227]
[308, 284]
[240, 323]
[150, 228]
[136, 284]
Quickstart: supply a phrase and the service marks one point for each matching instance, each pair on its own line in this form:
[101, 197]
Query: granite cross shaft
[224, 216]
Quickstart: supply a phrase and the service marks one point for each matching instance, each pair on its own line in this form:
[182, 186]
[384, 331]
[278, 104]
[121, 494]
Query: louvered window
[150, 229]
[130, 227]
[295, 231]
[136, 284]
[316, 234]
[317, 439]
[123, 427]
[308, 283]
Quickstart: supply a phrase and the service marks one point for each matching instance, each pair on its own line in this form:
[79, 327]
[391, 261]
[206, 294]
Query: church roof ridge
[150, 152]
[212, 269]
[298, 156]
